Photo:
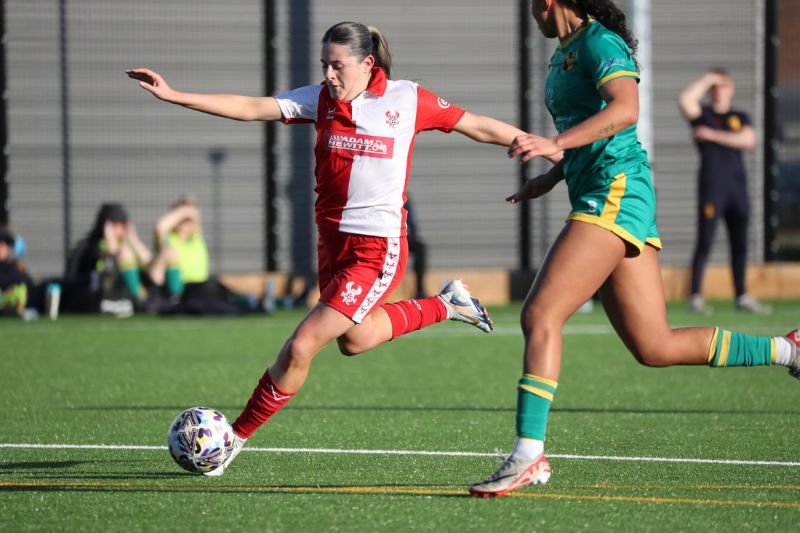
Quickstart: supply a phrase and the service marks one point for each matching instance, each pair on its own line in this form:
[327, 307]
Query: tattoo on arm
[605, 131]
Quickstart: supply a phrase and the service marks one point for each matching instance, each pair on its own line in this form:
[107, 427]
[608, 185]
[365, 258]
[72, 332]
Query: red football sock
[266, 400]
[411, 315]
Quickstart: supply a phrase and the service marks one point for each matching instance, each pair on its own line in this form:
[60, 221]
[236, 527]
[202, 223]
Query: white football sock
[784, 351]
[527, 449]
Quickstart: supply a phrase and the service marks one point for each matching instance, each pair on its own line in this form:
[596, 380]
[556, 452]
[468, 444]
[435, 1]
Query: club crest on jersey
[444, 104]
[392, 118]
[351, 293]
[570, 61]
[734, 123]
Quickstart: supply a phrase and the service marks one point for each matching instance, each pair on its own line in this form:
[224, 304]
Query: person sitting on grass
[104, 270]
[15, 284]
[181, 268]
[182, 251]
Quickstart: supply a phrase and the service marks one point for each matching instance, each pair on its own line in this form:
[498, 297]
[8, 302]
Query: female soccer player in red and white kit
[366, 126]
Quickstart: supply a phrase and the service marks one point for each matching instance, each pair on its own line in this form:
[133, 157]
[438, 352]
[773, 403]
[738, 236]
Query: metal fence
[74, 118]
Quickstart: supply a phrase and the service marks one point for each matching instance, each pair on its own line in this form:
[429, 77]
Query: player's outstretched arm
[486, 129]
[231, 106]
[489, 130]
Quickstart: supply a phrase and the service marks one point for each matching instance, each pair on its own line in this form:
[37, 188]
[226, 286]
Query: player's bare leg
[578, 262]
[287, 374]
[319, 328]
[633, 298]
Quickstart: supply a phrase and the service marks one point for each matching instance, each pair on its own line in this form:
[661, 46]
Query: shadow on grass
[39, 465]
[452, 409]
[122, 476]
[59, 470]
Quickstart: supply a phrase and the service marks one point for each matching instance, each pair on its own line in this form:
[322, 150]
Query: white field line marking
[413, 452]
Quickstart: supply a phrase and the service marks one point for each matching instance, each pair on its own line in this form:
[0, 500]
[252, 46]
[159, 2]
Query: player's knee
[651, 354]
[299, 351]
[536, 319]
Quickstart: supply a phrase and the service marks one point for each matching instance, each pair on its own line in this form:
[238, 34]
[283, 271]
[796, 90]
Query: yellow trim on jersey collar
[564, 44]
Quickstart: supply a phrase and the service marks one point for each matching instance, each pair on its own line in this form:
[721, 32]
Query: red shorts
[358, 272]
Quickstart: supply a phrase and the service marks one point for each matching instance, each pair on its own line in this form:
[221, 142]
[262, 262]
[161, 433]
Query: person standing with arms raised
[721, 134]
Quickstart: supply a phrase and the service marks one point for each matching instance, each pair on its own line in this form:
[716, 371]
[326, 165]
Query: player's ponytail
[610, 16]
[380, 50]
[362, 41]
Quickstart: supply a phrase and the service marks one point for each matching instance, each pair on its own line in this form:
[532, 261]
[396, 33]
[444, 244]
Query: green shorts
[620, 199]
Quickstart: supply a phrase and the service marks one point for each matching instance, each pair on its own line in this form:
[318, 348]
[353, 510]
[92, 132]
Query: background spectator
[182, 251]
[721, 133]
[104, 270]
[16, 286]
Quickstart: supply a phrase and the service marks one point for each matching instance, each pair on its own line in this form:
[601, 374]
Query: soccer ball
[200, 439]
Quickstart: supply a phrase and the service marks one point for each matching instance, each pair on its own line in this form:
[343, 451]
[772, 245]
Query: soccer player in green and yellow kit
[610, 242]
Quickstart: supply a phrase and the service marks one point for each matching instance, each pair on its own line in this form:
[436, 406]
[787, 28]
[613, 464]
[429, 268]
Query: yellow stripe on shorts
[614, 199]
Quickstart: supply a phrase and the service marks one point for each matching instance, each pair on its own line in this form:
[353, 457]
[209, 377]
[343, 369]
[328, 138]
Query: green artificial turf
[85, 381]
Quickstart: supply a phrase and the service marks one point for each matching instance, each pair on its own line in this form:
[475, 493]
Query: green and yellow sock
[534, 397]
[132, 279]
[729, 348]
[173, 281]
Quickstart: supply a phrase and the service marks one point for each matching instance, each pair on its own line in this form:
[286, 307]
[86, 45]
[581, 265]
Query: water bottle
[53, 300]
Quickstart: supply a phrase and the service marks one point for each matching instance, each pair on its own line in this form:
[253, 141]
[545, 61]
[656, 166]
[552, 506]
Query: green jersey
[579, 67]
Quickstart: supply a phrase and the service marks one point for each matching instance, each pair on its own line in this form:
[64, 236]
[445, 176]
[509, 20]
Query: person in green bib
[610, 242]
[182, 251]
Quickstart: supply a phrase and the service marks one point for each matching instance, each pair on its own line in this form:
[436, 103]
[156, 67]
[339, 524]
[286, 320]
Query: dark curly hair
[609, 15]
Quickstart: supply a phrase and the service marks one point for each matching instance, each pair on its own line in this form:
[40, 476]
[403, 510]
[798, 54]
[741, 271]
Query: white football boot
[513, 475]
[462, 307]
[794, 338]
[238, 444]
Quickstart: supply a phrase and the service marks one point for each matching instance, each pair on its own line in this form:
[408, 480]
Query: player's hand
[533, 188]
[153, 82]
[529, 146]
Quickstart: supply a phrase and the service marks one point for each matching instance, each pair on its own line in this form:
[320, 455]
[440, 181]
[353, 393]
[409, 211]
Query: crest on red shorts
[350, 293]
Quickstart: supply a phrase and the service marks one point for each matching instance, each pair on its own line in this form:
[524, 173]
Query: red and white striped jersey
[364, 147]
